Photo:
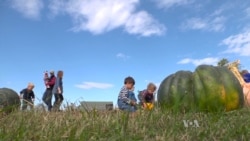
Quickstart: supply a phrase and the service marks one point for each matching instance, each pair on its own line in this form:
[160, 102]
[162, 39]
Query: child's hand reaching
[133, 103]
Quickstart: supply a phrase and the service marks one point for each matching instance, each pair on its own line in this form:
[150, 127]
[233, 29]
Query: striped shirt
[123, 95]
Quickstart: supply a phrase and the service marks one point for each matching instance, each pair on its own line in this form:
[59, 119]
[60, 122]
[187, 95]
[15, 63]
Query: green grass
[156, 125]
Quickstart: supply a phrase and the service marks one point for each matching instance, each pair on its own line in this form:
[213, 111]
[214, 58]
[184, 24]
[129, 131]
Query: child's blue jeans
[125, 106]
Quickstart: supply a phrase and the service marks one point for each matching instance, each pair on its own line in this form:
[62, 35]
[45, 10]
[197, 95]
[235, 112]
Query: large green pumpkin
[9, 100]
[208, 88]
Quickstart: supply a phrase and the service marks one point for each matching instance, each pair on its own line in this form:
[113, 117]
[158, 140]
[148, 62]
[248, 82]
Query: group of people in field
[127, 100]
[54, 86]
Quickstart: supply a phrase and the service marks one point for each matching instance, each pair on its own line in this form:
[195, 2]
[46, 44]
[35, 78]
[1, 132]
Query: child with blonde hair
[146, 97]
[28, 96]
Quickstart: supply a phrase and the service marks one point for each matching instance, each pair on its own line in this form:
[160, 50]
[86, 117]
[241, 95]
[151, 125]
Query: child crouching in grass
[126, 99]
[146, 97]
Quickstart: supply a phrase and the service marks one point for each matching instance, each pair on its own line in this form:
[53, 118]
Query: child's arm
[59, 90]
[55, 88]
[143, 96]
[33, 96]
[21, 94]
[140, 95]
[123, 95]
[153, 99]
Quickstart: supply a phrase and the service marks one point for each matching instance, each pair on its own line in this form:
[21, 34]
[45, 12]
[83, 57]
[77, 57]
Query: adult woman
[49, 83]
[58, 91]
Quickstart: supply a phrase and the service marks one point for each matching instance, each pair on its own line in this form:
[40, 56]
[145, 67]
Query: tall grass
[156, 125]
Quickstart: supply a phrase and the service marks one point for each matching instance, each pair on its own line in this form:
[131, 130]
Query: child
[28, 96]
[246, 76]
[46, 79]
[146, 97]
[126, 99]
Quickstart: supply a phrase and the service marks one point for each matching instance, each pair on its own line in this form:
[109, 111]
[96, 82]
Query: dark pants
[26, 103]
[58, 101]
[47, 98]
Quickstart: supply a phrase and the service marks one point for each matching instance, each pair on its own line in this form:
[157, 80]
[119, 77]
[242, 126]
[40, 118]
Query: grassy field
[156, 125]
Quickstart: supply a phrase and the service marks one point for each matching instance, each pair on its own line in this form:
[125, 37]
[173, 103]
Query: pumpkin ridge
[208, 88]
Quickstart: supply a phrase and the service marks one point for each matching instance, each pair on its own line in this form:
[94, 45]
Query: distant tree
[223, 62]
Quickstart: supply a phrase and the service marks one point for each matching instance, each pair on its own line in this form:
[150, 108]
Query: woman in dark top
[49, 83]
[58, 91]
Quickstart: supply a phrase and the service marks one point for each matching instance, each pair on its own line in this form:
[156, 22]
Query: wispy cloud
[196, 62]
[213, 22]
[122, 56]
[100, 16]
[5, 82]
[171, 3]
[28, 8]
[238, 44]
[94, 85]
[247, 12]
[210, 23]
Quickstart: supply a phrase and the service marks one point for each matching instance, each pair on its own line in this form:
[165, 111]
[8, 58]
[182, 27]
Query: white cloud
[247, 11]
[211, 23]
[99, 16]
[94, 85]
[214, 22]
[122, 56]
[238, 44]
[29, 8]
[195, 23]
[196, 62]
[142, 23]
[171, 3]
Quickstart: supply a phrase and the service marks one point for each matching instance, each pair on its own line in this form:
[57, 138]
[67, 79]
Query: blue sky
[97, 43]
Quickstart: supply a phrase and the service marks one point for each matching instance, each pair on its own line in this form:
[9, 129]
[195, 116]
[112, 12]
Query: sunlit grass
[157, 125]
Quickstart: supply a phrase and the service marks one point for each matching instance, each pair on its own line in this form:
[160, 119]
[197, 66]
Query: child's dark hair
[130, 80]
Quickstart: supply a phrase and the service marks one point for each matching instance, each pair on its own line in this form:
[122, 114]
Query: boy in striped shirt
[126, 99]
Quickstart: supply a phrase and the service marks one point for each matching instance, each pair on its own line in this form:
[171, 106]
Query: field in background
[114, 125]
